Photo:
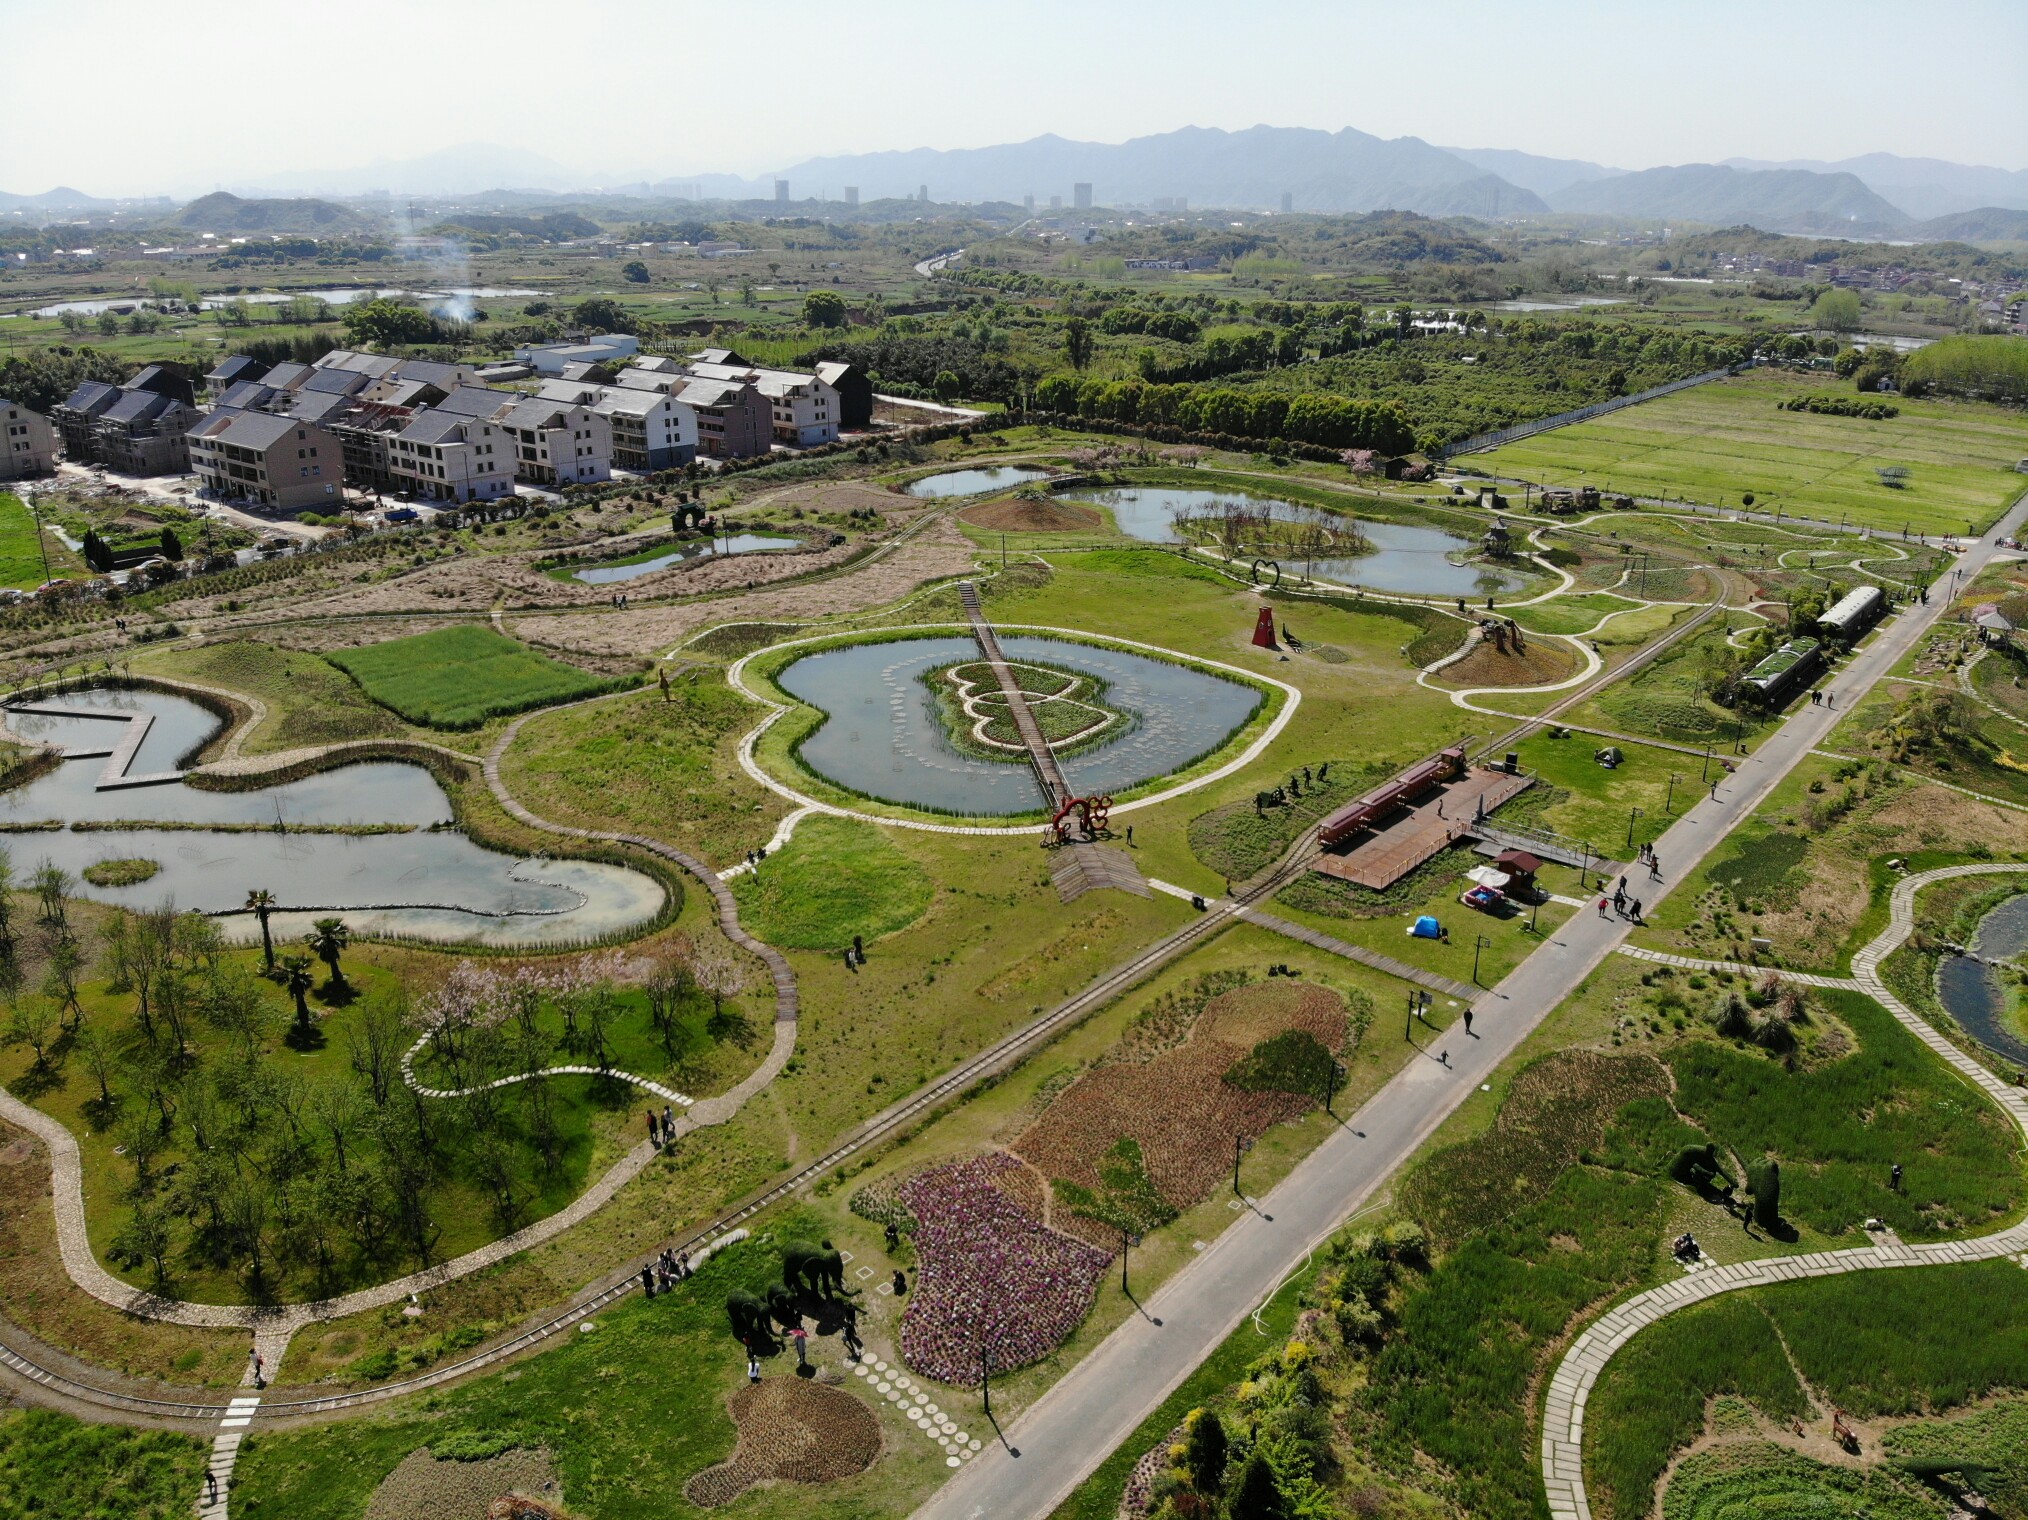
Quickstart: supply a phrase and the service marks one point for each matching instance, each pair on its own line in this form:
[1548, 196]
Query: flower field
[989, 1271]
[790, 1431]
[1177, 1104]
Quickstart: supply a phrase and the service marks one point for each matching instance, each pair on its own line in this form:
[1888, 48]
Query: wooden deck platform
[1077, 868]
[1413, 835]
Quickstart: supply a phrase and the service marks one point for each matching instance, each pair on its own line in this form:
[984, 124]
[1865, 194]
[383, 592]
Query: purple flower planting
[990, 1277]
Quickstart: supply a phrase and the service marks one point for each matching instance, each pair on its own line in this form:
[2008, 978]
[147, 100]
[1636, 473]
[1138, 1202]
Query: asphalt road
[1098, 1404]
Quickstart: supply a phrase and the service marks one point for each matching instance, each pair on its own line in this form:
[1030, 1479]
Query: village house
[274, 462]
[31, 442]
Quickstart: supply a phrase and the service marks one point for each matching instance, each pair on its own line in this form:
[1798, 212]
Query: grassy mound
[1023, 514]
[837, 878]
[121, 873]
[457, 678]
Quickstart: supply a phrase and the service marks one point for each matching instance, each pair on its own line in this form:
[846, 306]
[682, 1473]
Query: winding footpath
[1576, 1375]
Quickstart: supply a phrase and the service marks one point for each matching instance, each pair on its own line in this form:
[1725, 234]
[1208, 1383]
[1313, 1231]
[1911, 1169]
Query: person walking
[669, 1121]
[648, 1281]
[1601, 907]
[752, 1365]
[1635, 912]
[259, 1368]
[1468, 1023]
[682, 1264]
[1894, 1178]
[1654, 866]
[654, 1130]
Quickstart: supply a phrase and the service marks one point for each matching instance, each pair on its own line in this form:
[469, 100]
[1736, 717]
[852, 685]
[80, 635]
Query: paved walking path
[1099, 1402]
[1691, 963]
[1570, 1387]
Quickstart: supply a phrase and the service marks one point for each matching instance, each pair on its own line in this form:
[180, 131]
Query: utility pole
[1238, 1149]
[1479, 943]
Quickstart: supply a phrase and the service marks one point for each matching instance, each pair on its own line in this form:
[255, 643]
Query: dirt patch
[1027, 514]
[1177, 1105]
[793, 1431]
[423, 1487]
[1542, 662]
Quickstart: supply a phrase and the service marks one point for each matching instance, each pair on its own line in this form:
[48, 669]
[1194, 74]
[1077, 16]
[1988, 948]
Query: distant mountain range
[1873, 196]
[1318, 171]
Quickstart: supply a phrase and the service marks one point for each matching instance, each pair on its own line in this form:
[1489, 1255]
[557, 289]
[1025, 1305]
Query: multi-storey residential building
[803, 408]
[653, 429]
[558, 443]
[27, 442]
[136, 428]
[452, 458]
[734, 420]
[275, 462]
[855, 394]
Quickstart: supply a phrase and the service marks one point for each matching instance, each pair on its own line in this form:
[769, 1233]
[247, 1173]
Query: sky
[119, 97]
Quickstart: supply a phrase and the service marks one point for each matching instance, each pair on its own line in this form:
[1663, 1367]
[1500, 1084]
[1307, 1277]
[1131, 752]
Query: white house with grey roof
[27, 442]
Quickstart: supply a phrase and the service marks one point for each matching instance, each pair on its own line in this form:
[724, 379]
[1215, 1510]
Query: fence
[1494, 439]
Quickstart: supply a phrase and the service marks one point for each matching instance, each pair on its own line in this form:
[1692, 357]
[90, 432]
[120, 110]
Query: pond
[343, 296]
[634, 569]
[432, 881]
[998, 477]
[1973, 991]
[1408, 559]
[882, 735]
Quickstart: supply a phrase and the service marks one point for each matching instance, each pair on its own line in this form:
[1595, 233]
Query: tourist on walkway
[752, 1366]
[1602, 907]
[654, 1130]
[1468, 1023]
[648, 1281]
[668, 1121]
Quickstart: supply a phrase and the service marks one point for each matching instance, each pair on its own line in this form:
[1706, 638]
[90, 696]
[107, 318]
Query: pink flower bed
[987, 1270]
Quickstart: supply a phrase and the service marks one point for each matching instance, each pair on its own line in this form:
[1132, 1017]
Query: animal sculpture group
[808, 1273]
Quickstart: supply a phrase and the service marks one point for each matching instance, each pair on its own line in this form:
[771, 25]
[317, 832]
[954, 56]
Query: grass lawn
[1887, 1344]
[308, 702]
[839, 878]
[1714, 442]
[1588, 802]
[667, 768]
[459, 677]
[1577, 613]
[58, 1468]
[21, 559]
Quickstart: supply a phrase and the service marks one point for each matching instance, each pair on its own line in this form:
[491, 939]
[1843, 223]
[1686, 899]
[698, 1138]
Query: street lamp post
[1479, 943]
[1127, 1238]
[1238, 1149]
[1632, 814]
[1669, 803]
[986, 1379]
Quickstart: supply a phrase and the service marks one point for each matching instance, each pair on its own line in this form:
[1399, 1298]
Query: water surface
[882, 735]
[996, 477]
[1972, 991]
[433, 882]
[737, 543]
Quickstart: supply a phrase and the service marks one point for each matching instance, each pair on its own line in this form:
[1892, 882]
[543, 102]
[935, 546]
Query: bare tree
[670, 985]
[720, 972]
[376, 1044]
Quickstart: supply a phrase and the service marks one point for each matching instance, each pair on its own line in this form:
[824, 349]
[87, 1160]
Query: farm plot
[1715, 443]
[789, 1431]
[457, 678]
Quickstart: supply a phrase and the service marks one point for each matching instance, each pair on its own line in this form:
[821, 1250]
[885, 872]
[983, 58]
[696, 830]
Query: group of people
[1621, 903]
[662, 1126]
[619, 598]
[664, 1272]
[1828, 698]
[755, 857]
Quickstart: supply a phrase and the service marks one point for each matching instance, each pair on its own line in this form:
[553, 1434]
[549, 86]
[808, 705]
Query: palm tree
[261, 904]
[327, 940]
[296, 977]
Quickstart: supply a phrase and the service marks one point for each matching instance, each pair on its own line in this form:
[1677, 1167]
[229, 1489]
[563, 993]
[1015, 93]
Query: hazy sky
[124, 97]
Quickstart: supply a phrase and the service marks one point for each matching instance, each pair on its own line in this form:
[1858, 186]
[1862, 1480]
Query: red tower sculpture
[1264, 629]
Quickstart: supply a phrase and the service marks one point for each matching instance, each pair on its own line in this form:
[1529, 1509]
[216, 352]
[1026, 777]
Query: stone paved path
[1691, 963]
[1578, 1372]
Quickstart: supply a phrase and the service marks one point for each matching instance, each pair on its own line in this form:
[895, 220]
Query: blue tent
[1427, 927]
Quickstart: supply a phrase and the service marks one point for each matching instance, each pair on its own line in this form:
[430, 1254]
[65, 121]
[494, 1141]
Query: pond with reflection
[431, 881]
[882, 736]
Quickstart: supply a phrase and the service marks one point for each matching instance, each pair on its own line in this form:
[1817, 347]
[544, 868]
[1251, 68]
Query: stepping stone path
[1576, 1375]
[211, 1504]
[902, 1391]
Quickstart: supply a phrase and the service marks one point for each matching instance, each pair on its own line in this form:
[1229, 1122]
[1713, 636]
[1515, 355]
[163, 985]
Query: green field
[54, 1467]
[1886, 1344]
[459, 677]
[1714, 442]
[839, 878]
[21, 560]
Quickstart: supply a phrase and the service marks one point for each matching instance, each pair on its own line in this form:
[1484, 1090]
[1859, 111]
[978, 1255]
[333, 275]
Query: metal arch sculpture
[1274, 565]
[1092, 811]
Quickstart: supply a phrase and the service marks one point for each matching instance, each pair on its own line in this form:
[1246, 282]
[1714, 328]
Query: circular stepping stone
[950, 1461]
[858, 1371]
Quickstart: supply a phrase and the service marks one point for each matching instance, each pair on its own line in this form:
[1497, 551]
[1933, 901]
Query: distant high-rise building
[1028, 204]
[1288, 201]
[1081, 194]
[781, 192]
[1056, 203]
[851, 195]
[922, 194]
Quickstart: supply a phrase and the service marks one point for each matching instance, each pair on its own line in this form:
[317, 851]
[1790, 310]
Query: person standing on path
[668, 1122]
[654, 1130]
[1468, 1023]
[258, 1367]
[1601, 907]
[752, 1365]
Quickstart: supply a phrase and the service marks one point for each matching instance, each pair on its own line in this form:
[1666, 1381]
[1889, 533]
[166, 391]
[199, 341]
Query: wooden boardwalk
[1048, 775]
[1077, 868]
[1415, 835]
